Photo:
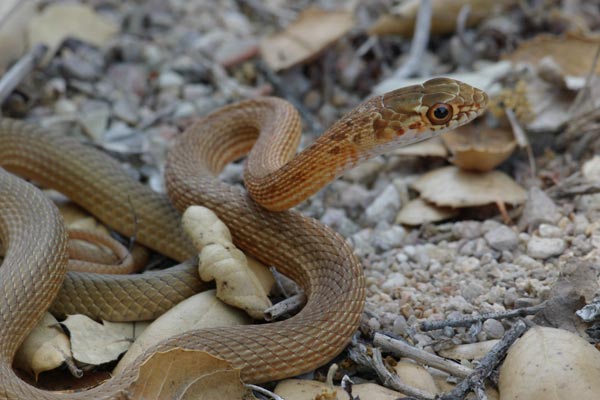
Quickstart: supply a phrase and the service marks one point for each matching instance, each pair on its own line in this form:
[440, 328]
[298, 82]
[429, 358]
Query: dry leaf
[469, 351]
[45, 349]
[180, 374]
[427, 148]
[573, 54]
[418, 211]
[94, 343]
[550, 364]
[59, 21]
[476, 147]
[451, 187]
[202, 310]
[220, 260]
[312, 32]
[443, 18]
[416, 376]
[297, 389]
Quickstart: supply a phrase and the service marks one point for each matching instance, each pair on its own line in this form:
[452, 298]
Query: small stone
[384, 207]
[502, 238]
[393, 283]
[129, 78]
[542, 248]
[356, 196]
[196, 91]
[550, 231]
[65, 107]
[389, 238]
[400, 326]
[79, 68]
[365, 172]
[539, 208]
[184, 110]
[472, 291]
[95, 123]
[170, 80]
[467, 229]
[493, 328]
[336, 218]
[234, 52]
[125, 110]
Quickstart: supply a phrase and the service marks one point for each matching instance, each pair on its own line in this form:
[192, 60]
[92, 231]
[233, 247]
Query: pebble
[550, 231]
[196, 91]
[336, 218]
[467, 229]
[472, 291]
[384, 207]
[366, 172]
[355, 195]
[170, 80]
[393, 283]
[502, 238]
[400, 327]
[389, 238]
[126, 111]
[539, 208]
[542, 248]
[493, 328]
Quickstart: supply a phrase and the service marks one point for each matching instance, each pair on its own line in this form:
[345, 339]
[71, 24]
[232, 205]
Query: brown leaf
[573, 54]
[180, 374]
[444, 16]
[314, 30]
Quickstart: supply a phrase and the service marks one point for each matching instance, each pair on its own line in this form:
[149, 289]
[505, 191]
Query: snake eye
[439, 113]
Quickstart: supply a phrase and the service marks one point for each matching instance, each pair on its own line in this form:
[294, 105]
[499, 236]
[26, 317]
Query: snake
[34, 276]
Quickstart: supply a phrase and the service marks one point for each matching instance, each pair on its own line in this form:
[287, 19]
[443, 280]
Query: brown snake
[33, 270]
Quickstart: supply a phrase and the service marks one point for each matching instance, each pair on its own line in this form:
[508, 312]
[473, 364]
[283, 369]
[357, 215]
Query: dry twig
[488, 363]
[468, 321]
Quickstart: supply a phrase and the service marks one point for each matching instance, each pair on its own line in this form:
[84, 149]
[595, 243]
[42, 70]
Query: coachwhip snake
[33, 271]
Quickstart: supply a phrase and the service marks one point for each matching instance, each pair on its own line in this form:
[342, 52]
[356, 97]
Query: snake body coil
[313, 255]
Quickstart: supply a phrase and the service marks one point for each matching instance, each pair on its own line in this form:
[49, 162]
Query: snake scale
[33, 274]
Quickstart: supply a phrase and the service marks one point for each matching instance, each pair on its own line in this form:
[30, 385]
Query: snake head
[418, 112]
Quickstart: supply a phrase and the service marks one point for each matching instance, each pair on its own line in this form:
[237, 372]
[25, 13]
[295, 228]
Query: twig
[20, 70]
[461, 25]
[393, 381]
[521, 138]
[419, 42]
[402, 349]
[70, 363]
[264, 391]
[468, 321]
[289, 305]
[488, 363]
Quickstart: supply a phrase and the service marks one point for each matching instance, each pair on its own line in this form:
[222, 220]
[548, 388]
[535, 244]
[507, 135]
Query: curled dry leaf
[469, 351]
[220, 260]
[180, 374]
[313, 31]
[549, 363]
[297, 389]
[479, 148]
[45, 349]
[202, 310]
[451, 187]
[416, 376]
[59, 21]
[573, 54]
[418, 211]
[443, 19]
[94, 343]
